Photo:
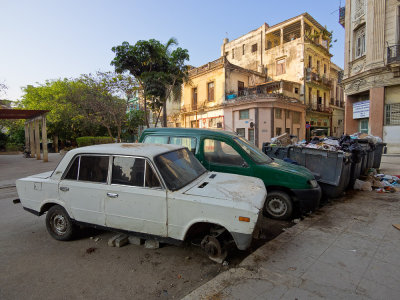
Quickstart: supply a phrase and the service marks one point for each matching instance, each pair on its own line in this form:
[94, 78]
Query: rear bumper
[242, 240]
[308, 199]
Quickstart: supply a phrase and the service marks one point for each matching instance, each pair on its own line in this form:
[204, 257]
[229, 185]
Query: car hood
[42, 175]
[230, 187]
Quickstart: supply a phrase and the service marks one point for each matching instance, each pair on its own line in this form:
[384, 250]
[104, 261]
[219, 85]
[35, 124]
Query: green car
[289, 186]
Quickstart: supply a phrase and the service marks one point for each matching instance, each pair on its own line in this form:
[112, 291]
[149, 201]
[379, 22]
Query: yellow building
[223, 95]
[295, 50]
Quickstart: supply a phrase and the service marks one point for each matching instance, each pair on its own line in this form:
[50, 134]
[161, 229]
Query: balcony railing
[319, 108]
[315, 77]
[206, 67]
[342, 14]
[393, 54]
[260, 90]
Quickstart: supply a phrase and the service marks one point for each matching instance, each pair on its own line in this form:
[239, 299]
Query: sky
[50, 39]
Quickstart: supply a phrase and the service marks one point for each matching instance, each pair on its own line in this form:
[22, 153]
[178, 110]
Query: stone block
[134, 240]
[111, 241]
[152, 244]
[121, 241]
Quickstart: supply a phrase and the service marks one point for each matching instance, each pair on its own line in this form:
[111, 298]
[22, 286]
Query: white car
[154, 191]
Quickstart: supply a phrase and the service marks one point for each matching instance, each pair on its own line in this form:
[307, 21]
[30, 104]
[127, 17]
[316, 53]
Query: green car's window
[188, 142]
[221, 153]
[154, 139]
[256, 155]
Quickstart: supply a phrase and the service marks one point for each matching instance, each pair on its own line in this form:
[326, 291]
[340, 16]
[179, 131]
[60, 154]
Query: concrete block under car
[121, 241]
[134, 240]
[112, 240]
[152, 244]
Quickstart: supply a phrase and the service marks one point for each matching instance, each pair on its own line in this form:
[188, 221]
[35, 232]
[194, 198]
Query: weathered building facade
[372, 69]
[223, 95]
[337, 101]
[295, 50]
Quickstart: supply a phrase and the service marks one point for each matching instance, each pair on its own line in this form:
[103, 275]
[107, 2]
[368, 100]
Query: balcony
[342, 15]
[319, 108]
[312, 77]
[190, 108]
[271, 88]
[393, 54]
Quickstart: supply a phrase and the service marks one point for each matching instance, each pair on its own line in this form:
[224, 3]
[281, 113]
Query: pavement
[348, 249]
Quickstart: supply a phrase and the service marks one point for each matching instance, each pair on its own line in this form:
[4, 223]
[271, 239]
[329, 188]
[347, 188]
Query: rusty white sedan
[154, 191]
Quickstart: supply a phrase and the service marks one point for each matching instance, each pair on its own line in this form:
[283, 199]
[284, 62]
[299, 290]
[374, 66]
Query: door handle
[64, 188]
[112, 195]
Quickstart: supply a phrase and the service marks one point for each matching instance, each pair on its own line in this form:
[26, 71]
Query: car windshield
[178, 168]
[255, 154]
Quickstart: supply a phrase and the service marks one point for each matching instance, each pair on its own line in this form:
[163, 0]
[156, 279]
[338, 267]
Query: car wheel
[59, 224]
[278, 205]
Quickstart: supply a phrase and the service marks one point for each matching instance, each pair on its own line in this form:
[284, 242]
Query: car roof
[186, 131]
[139, 149]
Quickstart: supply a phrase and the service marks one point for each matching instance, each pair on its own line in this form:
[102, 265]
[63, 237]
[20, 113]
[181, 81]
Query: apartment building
[296, 50]
[222, 95]
[372, 69]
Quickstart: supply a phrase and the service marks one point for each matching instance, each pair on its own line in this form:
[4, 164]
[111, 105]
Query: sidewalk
[16, 166]
[347, 250]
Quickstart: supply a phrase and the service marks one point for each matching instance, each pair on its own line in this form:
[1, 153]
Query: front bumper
[308, 199]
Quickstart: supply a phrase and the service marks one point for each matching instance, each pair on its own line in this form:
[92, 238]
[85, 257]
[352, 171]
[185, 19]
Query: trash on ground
[397, 226]
[91, 250]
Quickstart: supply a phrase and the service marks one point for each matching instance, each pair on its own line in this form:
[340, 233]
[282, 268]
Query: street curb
[249, 268]
[7, 186]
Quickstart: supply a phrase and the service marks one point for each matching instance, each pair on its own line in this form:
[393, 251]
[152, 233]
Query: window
[269, 45]
[298, 132]
[128, 171]
[151, 179]
[287, 130]
[194, 124]
[243, 47]
[360, 42]
[241, 132]
[278, 113]
[73, 170]
[233, 53]
[178, 168]
[296, 117]
[251, 135]
[188, 142]
[392, 114]
[363, 126]
[310, 61]
[325, 69]
[278, 131]
[226, 53]
[210, 89]
[254, 48]
[309, 95]
[243, 114]
[240, 88]
[154, 139]
[93, 168]
[296, 90]
[194, 98]
[318, 66]
[221, 153]
[280, 66]
[287, 113]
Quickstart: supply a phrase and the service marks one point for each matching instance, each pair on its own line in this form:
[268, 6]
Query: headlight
[313, 183]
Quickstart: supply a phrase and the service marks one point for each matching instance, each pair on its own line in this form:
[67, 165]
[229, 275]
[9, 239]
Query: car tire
[278, 205]
[59, 224]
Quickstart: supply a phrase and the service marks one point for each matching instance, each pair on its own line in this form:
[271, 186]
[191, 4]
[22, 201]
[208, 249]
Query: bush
[11, 147]
[93, 140]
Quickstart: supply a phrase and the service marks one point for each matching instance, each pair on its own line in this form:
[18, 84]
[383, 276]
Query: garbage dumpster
[378, 155]
[368, 159]
[276, 151]
[331, 169]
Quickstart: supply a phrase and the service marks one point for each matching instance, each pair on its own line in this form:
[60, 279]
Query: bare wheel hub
[277, 207]
[211, 246]
[59, 224]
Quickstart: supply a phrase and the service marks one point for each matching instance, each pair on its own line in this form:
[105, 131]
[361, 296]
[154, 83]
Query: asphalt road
[35, 266]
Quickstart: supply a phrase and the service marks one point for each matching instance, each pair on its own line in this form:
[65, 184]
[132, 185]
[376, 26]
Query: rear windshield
[255, 154]
[178, 168]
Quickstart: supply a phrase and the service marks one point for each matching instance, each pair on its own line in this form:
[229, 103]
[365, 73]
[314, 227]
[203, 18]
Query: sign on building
[361, 109]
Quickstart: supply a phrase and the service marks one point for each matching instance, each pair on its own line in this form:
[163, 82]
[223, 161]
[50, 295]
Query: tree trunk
[158, 116]
[109, 132]
[55, 143]
[164, 118]
[146, 120]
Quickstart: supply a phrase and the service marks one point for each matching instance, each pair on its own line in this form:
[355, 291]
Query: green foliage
[93, 140]
[3, 141]
[12, 147]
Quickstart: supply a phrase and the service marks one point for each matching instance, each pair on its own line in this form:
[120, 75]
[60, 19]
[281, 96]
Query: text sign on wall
[361, 109]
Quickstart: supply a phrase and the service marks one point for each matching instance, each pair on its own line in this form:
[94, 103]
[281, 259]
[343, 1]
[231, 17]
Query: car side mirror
[245, 165]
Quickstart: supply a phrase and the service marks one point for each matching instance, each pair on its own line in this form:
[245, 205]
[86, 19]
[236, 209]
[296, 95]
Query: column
[350, 125]
[37, 139]
[32, 139]
[44, 140]
[282, 36]
[27, 142]
[376, 111]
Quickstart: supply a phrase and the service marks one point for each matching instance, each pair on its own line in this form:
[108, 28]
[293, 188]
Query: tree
[158, 70]
[3, 88]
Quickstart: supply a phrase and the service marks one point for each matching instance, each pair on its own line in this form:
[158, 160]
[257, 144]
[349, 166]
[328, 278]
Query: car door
[219, 155]
[83, 188]
[136, 200]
